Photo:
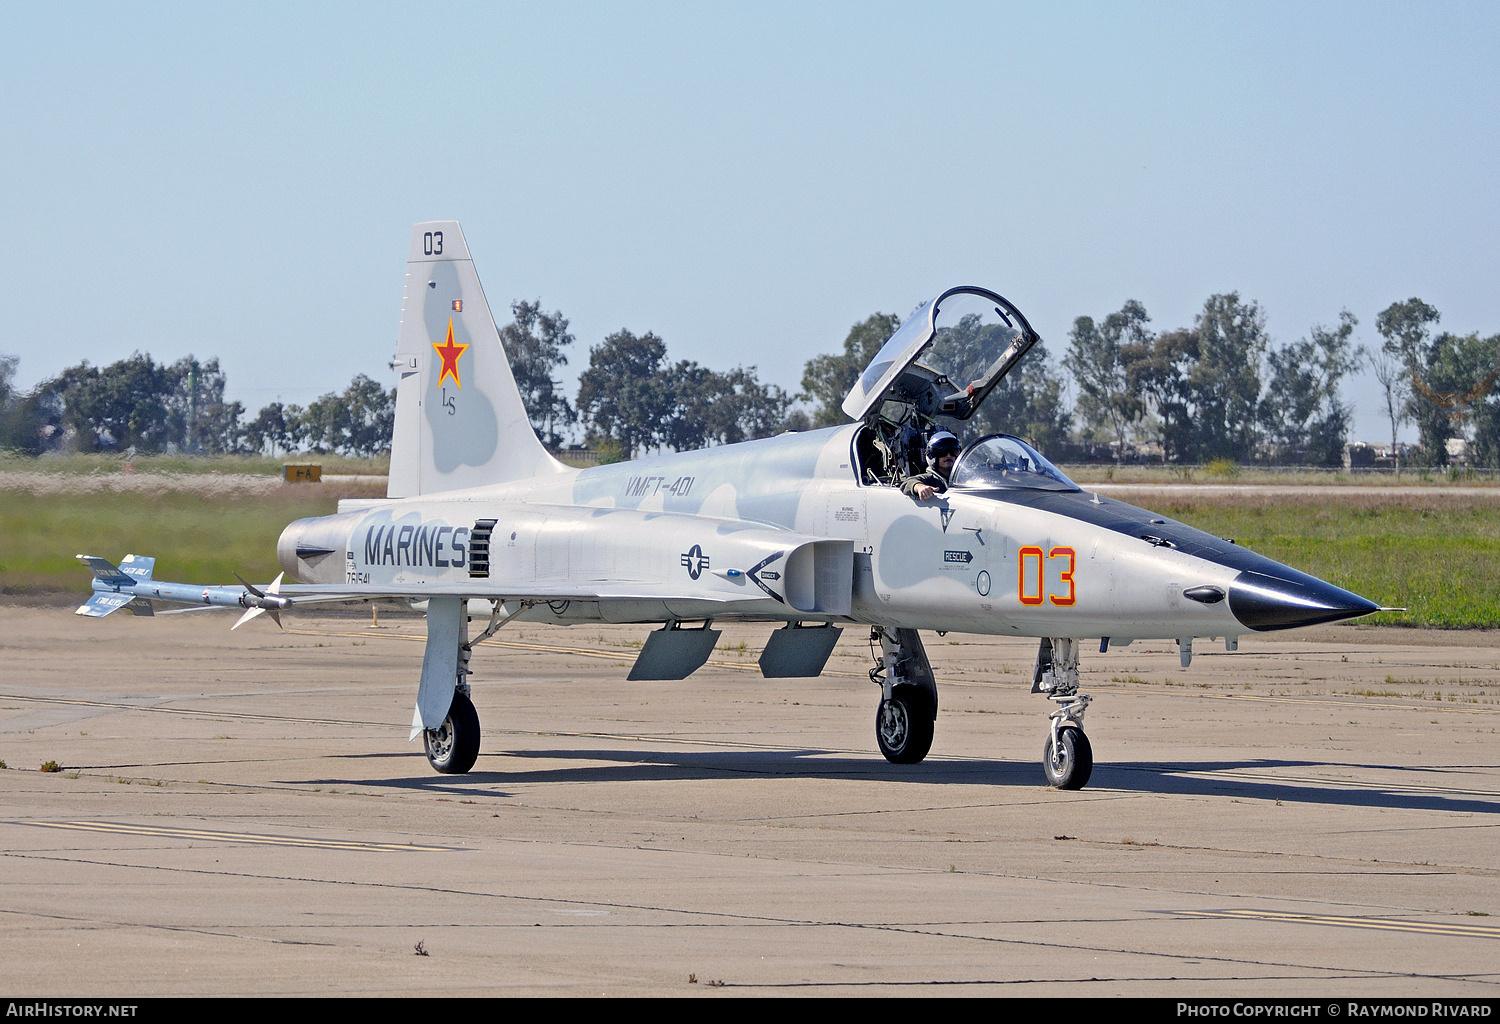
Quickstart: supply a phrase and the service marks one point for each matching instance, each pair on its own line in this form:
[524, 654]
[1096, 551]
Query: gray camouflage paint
[469, 428]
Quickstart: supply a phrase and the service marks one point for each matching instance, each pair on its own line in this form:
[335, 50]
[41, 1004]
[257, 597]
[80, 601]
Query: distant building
[1368, 455]
[1359, 455]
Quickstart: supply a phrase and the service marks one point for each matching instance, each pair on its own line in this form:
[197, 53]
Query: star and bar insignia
[450, 352]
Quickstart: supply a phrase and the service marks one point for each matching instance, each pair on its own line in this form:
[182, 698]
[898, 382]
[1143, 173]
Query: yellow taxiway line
[1468, 931]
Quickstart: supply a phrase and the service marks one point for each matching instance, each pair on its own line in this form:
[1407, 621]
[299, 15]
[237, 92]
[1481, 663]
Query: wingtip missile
[132, 586]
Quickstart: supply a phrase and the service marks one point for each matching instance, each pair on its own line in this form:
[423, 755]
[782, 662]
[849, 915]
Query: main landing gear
[908, 695]
[1067, 757]
[453, 747]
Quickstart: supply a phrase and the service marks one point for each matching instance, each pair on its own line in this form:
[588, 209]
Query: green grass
[1438, 555]
[1225, 471]
[195, 539]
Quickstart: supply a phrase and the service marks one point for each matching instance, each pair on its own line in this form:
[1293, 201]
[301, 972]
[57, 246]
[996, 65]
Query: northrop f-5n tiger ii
[807, 532]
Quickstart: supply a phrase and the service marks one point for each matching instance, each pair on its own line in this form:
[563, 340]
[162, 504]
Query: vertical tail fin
[460, 421]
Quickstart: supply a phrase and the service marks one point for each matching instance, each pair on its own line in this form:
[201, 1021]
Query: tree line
[631, 398]
[138, 404]
[1218, 389]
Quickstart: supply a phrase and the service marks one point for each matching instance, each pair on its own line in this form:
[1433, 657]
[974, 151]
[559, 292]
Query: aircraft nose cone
[1263, 602]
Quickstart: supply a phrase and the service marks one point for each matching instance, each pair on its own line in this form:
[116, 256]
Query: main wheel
[453, 747]
[1071, 764]
[903, 726]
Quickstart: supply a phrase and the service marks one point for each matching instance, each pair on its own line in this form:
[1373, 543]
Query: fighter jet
[807, 532]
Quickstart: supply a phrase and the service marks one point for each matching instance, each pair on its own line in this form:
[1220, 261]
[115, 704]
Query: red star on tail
[450, 353]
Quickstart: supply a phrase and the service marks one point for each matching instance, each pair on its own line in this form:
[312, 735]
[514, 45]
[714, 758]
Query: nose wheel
[1067, 758]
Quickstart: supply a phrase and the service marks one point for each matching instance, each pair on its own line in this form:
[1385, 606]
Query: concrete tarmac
[240, 814]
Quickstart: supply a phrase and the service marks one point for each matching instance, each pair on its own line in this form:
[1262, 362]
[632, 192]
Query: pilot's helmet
[940, 444]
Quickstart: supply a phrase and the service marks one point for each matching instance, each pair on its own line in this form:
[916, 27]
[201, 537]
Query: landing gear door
[945, 359]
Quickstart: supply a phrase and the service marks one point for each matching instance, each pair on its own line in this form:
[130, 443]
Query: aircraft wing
[316, 593]
[551, 552]
[645, 569]
[114, 592]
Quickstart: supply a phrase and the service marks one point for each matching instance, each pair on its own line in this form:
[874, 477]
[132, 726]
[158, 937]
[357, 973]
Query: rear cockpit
[932, 375]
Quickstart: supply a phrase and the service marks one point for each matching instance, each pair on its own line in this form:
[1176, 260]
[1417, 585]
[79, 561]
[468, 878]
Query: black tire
[453, 747]
[903, 726]
[1073, 763]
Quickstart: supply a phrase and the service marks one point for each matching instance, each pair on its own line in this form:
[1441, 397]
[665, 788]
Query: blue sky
[746, 180]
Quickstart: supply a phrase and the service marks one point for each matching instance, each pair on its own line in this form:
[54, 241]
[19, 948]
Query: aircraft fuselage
[701, 525]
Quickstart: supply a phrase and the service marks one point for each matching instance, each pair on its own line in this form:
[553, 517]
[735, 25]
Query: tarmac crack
[736, 919]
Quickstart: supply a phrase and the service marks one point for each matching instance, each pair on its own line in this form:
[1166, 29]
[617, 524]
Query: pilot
[942, 452]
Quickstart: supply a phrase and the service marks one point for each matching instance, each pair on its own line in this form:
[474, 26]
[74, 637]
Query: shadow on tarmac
[1184, 778]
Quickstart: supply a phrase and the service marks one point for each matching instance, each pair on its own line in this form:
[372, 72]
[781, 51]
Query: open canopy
[946, 358]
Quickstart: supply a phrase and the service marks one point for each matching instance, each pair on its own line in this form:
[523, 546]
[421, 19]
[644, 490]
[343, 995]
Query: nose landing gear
[1067, 756]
